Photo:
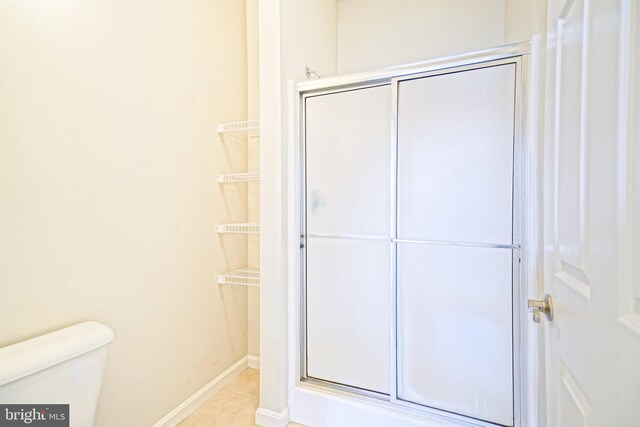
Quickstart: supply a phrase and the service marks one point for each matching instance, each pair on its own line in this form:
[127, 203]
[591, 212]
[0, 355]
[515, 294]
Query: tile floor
[233, 406]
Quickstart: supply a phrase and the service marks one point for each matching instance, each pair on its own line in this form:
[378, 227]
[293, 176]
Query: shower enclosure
[411, 210]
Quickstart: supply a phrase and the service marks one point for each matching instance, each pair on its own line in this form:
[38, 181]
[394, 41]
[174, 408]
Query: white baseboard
[187, 407]
[267, 418]
[254, 362]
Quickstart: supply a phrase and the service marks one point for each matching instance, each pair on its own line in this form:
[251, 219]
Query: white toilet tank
[61, 367]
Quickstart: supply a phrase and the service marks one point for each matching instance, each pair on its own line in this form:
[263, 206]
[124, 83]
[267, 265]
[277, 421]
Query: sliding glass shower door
[410, 241]
[455, 242]
[347, 237]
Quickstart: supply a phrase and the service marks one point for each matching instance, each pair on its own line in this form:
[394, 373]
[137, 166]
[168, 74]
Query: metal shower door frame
[522, 387]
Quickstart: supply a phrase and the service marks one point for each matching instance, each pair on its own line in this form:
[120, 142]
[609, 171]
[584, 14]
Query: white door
[456, 244]
[592, 212]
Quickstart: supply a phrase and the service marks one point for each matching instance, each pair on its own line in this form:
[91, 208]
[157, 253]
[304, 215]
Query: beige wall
[108, 200]
[523, 19]
[378, 33]
[309, 37]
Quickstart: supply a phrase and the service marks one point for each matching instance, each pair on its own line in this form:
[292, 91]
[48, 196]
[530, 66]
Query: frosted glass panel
[455, 329]
[455, 155]
[347, 162]
[348, 312]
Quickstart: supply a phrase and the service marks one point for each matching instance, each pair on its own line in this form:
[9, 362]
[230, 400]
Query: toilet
[61, 367]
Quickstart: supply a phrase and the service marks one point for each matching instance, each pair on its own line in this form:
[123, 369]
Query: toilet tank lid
[36, 354]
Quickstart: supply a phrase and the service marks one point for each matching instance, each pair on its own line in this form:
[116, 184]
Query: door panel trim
[571, 268]
[629, 90]
[567, 383]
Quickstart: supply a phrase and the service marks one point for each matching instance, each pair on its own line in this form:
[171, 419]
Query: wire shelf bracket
[243, 126]
[243, 228]
[244, 277]
[238, 177]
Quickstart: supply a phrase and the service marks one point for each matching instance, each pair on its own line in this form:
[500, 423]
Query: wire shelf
[245, 277]
[238, 126]
[239, 228]
[239, 177]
